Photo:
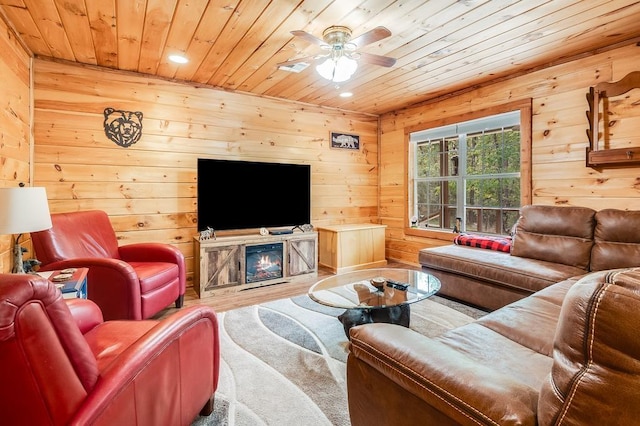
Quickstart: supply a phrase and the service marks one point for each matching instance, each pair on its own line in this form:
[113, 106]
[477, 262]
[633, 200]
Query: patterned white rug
[283, 362]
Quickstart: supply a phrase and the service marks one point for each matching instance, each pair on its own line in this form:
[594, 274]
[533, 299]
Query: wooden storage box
[343, 248]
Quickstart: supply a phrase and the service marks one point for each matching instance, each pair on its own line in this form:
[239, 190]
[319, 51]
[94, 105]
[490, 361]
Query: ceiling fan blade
[378, 33]
[310, 38]
[383, 61]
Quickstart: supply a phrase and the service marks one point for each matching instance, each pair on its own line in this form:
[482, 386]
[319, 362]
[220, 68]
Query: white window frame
[464, 124]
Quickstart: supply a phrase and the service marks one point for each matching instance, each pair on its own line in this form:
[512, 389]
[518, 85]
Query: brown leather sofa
[61, 364]
[567, 355]
[550, 244]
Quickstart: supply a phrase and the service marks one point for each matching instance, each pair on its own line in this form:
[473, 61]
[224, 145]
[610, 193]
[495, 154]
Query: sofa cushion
[555, 234]
[617, 240]
[531, 322]
[503, 355]
[496, 267]
[154, 275]
[92, 237]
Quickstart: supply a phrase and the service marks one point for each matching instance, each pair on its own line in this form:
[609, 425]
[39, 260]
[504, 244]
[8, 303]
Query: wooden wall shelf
[597, 157]
[610, 157]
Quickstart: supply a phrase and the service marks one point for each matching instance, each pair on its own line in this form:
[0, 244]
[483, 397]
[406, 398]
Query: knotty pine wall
[15, 133]
[559, 173]
[149, 189]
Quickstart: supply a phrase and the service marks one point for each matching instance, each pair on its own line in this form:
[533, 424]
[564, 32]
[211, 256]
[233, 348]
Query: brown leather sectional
[567, 355]
[560, 348]
[550, 244]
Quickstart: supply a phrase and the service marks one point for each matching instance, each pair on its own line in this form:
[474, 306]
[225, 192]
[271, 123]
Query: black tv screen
[246, 194]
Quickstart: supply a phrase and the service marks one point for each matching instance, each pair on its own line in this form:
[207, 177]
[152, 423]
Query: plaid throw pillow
[484, 241]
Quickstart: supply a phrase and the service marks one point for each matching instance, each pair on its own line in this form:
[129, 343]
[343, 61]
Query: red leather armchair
[133, 281]
[61, 364]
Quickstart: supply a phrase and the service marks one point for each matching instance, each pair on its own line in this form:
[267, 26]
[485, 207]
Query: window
[467, 176]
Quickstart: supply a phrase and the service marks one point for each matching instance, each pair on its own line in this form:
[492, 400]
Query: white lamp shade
[337, 70]
[24, 209]
[325, 69]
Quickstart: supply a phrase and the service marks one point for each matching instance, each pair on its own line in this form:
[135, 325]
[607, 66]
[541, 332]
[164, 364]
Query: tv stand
[220, 263]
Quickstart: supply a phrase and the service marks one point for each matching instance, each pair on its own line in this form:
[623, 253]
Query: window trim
[526, 196]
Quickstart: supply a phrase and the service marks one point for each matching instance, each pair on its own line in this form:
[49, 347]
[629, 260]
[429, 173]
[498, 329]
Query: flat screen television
[235, 194]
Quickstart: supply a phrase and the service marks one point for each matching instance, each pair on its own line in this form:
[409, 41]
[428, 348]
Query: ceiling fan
[340, 62]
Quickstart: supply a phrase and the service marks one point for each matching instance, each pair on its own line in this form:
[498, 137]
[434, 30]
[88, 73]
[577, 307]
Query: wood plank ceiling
[440, 45]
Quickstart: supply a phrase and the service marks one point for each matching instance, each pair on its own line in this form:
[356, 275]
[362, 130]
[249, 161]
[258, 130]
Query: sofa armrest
[111, 283]
[85, 313]
[171, 370]
[428, 380]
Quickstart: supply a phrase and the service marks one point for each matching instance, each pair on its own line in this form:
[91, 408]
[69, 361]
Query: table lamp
[23, 209]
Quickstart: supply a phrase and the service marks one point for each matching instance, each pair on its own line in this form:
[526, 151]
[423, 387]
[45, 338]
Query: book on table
[72, 282]
[71, 288]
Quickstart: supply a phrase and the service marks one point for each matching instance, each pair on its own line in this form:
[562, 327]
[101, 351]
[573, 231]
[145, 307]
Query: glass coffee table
[374, 295]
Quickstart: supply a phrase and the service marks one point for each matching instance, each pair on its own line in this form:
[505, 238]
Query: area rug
[283, 362]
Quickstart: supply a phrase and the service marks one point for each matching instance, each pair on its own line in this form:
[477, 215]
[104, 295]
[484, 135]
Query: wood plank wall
[15, 127]
[560, 176]
[149, 188]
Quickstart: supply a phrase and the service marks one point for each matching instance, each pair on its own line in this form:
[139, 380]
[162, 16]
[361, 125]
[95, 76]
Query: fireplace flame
[265, 262]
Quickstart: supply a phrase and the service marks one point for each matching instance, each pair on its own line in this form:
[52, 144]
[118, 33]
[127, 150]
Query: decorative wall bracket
[597, 157]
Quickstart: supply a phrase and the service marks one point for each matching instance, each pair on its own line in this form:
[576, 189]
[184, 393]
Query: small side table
[74, 287]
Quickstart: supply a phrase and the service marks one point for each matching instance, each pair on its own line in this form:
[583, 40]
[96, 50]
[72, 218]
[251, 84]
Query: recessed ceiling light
[178, 59]
[346, 94]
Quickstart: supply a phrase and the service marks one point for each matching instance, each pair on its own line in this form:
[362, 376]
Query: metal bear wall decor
[122, 127]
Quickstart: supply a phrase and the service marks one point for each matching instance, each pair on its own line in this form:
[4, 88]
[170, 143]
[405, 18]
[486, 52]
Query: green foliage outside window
[489, 179]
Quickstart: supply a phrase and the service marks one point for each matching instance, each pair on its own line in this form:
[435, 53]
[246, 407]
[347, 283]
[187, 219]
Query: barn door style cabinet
[232, 263]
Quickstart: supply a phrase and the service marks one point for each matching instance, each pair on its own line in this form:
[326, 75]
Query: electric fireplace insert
[263, 262]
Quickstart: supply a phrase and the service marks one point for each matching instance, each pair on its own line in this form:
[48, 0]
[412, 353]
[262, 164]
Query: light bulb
[325, 69]
[345, 67]
[337, 70]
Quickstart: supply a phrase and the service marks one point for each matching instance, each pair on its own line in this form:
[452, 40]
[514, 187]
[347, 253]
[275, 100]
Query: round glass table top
[374, 288]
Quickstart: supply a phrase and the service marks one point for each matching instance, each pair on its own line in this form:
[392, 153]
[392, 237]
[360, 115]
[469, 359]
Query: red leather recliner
[62, 365]
[133, 281]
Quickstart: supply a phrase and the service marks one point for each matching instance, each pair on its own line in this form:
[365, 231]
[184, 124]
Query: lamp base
[18, 266]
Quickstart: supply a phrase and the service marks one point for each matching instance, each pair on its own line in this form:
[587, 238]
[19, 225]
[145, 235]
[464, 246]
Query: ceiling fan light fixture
[337, 69]
[341, 61]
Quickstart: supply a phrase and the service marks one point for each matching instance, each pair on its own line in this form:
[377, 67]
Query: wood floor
[259, 295]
